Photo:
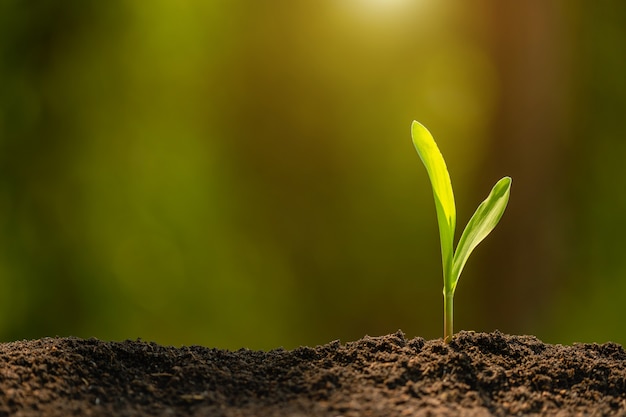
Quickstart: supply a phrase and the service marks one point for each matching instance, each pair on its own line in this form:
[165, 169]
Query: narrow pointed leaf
[483, 221]
[442, 189]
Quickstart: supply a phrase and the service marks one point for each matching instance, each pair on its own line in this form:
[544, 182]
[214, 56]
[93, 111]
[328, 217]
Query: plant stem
[447, 316]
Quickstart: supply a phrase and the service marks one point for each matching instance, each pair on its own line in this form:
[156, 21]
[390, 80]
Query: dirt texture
[477, 374]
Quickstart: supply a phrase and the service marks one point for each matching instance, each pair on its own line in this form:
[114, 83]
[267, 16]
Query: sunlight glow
[385, 10]
[384, 5]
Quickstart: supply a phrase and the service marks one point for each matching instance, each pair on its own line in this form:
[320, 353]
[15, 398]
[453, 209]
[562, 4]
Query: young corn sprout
[483, 221]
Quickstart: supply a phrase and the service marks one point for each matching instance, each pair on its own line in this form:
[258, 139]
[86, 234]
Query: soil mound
[477, 374]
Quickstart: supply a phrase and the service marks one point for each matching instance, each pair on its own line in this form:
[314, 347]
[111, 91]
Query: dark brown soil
[477, 374]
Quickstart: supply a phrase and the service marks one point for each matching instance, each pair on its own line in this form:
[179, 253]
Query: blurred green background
[241, 174]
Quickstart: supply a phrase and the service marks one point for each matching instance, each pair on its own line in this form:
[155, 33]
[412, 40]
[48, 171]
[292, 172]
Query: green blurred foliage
[234, 173]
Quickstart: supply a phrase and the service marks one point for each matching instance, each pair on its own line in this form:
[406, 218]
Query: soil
[477, 374]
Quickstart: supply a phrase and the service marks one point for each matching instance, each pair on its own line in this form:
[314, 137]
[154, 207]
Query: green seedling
[483, 221]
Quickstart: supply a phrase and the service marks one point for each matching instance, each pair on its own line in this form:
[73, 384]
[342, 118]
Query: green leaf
[483, 221]
[442, 189]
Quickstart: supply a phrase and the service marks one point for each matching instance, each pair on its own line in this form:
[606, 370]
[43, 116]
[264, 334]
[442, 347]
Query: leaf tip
[415, 126]
[506, 182]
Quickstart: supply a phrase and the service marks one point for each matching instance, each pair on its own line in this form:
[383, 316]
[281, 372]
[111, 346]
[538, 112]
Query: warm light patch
[384, 5]
[383, 8]
[382, 11]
